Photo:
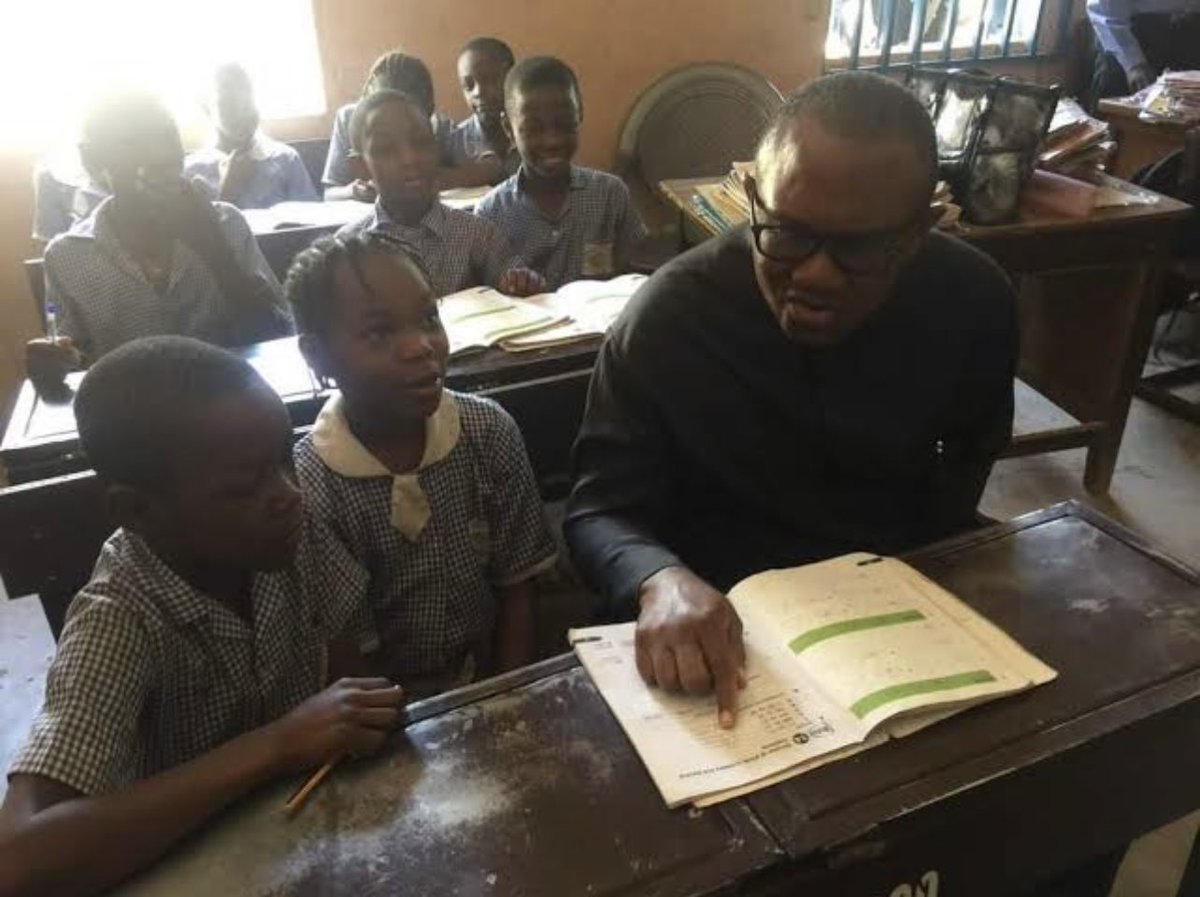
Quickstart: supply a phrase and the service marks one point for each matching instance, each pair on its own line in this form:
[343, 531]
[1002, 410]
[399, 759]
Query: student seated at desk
[431, 490]
[156, 257]
[566, 221]
[408, 75]
[244, 166]
[194, 666]
[482, 66]
[395, 147]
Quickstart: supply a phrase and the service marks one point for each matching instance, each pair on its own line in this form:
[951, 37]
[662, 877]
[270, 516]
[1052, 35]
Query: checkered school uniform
[593, 237]
[467, 144]
[277, 174]
[150, 673]
[436, 542]
[104, 298]
[457, 249]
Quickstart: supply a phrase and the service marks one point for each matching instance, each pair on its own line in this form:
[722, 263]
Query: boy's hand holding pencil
[352, 717]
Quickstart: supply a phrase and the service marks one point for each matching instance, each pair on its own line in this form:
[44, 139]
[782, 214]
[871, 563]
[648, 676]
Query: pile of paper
[1076, 145]
[1174, 97]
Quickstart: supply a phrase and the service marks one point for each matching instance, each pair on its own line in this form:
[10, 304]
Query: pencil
[296, 801]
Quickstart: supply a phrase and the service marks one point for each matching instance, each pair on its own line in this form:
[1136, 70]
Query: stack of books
[1076, 145]
[1175, 97]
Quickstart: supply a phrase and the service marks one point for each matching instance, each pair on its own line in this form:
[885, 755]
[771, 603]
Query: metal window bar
[858, 30]
[917, 19]
[951, 27]
[889, 20]
[984, 9]
[1008, 27]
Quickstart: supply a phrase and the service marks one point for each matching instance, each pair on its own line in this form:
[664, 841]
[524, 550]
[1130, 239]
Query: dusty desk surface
[526, 785]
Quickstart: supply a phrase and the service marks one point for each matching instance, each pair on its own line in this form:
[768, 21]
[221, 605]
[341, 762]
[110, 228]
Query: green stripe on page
[877, 699]
[806, 640]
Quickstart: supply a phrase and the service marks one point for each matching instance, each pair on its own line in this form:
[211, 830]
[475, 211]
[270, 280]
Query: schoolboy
[155, 258]
[481, 138]
[395, 147]
[191, 667]
[566, 221]
[244, 166]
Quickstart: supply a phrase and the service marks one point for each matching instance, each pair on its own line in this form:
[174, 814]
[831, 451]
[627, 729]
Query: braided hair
[407, 74]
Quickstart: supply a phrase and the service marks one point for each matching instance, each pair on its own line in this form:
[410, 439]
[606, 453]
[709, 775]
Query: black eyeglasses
[857, 254]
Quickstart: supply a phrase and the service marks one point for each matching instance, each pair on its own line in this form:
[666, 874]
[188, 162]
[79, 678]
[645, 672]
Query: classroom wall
[617, 47]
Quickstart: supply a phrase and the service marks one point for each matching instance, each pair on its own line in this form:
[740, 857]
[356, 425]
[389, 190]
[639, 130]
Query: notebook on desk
[840, 657]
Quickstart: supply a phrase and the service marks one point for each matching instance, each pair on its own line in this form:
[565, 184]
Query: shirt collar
[434, 220]
[577, 181]
[342, 452]
[259, 148]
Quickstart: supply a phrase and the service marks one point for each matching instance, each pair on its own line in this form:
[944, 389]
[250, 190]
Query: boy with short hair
[395, 147]
[156, 257]
[245, 167]
[481, 138]
[566, 221]
[191, 667]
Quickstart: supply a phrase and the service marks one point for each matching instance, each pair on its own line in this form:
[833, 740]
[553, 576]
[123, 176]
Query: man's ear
[128, 507]
[508, 129]
[750, 185]
[358, 167]
[317, 356]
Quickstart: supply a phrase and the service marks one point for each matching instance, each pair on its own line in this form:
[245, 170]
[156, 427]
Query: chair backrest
[695, 122]
[35, 274]
[312, 153]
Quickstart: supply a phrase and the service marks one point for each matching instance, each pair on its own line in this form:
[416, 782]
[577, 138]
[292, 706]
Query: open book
[840, 656]
[480, 317]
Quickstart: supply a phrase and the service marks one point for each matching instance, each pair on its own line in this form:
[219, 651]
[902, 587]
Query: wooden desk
[1089, 294]
[526, 785]
[1139, 143]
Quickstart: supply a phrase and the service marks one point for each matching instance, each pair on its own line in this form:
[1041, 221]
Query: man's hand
[196, 223]
[48, 361]
[521, 282]
[237, 175]
[352, 716]
[1140, 77]
[363, 191]
[689, 637]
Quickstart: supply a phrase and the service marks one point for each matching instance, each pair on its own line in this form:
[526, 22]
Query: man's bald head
[857, 106]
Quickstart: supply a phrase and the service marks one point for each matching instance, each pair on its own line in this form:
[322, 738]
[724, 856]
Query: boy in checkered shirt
[394, 146]
[430, 490]
[191, 667]
[566, 221]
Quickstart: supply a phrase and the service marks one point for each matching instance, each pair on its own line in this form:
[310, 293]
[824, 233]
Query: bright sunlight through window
[56, 56]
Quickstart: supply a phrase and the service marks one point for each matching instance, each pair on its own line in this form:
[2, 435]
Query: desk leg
[1145, 297]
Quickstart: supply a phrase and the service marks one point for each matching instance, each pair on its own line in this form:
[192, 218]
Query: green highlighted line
[806, 640]
[877, 699]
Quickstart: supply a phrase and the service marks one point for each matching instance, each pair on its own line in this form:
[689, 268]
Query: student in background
[481, 138]
[391, 71]
[64, 193]
[566, 221]
[193, 666]
[394, 146]
[244, 166]
[430, 490]
[156, 257]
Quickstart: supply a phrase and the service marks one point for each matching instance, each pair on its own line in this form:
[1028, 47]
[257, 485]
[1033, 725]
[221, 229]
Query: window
[56, 56]
[883, 33]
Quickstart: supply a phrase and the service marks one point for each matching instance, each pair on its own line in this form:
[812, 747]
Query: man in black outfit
[834, 378]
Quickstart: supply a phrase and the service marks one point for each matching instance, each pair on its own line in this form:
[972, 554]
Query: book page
[874, 639]
[782, 720]
[481, 317]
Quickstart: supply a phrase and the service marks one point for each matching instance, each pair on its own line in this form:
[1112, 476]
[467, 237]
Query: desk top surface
[526, 784]
[37, 423]
[1123, 110]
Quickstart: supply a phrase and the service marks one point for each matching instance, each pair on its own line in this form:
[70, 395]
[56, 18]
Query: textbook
[840, 656]
[480, 317]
